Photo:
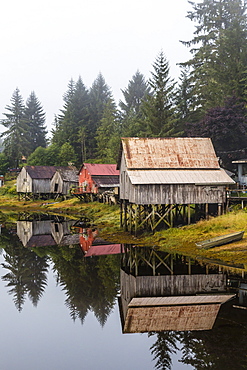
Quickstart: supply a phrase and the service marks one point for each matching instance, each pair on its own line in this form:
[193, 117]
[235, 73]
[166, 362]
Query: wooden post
[125, 215]
[189, 214]
[206, 211]
[137, 218]
[121, 213]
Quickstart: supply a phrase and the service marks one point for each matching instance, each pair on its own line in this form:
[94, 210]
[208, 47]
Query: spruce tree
[108, 138]
[34, 117]
[159, 106]
[16, 137]
[219, 51]
[131, 107]
[99, 96]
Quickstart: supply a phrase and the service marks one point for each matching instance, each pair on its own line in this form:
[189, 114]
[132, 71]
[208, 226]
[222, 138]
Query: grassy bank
[179, 240]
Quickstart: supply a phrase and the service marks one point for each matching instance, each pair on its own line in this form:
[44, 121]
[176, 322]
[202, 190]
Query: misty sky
[45, 44]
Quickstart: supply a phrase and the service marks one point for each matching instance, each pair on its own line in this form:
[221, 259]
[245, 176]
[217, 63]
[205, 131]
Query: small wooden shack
[164, 179]
[46, 233]
[64, 180]
[43, 181]
[35, 180]
[97, 178]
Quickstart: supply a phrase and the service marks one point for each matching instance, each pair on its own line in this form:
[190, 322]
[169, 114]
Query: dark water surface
[62, 308]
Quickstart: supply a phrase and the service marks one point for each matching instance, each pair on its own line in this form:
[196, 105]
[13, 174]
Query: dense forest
[208, 100]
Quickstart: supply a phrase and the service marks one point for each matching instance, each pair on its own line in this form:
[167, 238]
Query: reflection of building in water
[161, 291]
[46, 233]
[92, 245]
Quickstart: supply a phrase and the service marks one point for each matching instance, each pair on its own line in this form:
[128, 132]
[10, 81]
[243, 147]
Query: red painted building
[97, 178]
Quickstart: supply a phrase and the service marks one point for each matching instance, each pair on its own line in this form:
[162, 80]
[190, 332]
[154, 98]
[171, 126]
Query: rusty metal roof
[169, 153]
[197, 177]
[99, 169]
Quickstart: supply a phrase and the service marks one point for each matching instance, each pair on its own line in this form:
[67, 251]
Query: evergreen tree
[136, 91]
[108, 137]
[185, 99]
[16, 137]
[159, 107]
[227, 127]
[74, 118]
[100, 95]
[34, 117]
[132, 116]
[219, 51]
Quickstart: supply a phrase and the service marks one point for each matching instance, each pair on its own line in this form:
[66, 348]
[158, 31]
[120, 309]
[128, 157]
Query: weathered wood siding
[57, 183]
[24, 182]
[170, 285]
[41, 186]
[168, 194]
[179, 284]
[175, 194]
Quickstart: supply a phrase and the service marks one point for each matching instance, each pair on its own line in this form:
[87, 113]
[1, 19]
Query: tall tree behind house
[219, 52]
[16, 137]
[159, 107]
[132, 117]
[34, 117]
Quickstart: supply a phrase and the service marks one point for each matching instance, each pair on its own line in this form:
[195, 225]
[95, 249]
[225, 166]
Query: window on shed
[56, 187]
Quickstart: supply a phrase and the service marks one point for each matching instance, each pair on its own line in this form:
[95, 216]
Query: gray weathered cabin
[35, 180]
[46, 233]
[45, 180]
[164, 178]
[63, 180]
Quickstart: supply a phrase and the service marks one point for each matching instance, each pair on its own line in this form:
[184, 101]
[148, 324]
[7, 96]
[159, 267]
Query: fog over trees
[208, 100]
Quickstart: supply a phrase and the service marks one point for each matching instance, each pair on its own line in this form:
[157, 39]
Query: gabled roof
[169, 153]
[41, 172]
[46, 172]
[99, 169]
[68, 174]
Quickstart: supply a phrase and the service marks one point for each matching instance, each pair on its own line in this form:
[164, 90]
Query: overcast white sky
[44, 44]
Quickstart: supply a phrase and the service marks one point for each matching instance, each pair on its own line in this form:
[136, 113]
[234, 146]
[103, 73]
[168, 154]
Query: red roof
[101, 250]
[99, 169]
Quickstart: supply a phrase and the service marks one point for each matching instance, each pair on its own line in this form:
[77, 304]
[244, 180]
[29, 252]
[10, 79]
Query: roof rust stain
[169, 153]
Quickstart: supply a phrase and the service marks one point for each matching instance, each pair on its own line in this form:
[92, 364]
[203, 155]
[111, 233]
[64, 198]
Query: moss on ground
[177, 240]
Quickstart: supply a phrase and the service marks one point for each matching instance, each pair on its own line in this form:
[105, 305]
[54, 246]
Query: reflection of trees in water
[89, 284]
[223, 347]
[163, 348]
[27, 273]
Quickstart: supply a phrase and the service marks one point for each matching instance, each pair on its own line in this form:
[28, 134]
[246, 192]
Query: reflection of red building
[93, 246]
[87, 237]
[95, 178]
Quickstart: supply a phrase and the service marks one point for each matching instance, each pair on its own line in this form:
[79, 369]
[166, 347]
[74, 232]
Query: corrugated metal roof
[169, 153]
[99, 169]
[198, 177]
[41, 172]
[106, 181]
[44, 172]
[69, 174]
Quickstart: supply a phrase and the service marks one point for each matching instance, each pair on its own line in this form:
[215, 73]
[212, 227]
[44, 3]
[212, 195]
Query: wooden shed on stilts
[169, 181]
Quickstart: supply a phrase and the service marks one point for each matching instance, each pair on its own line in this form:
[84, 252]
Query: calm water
[60, 309]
